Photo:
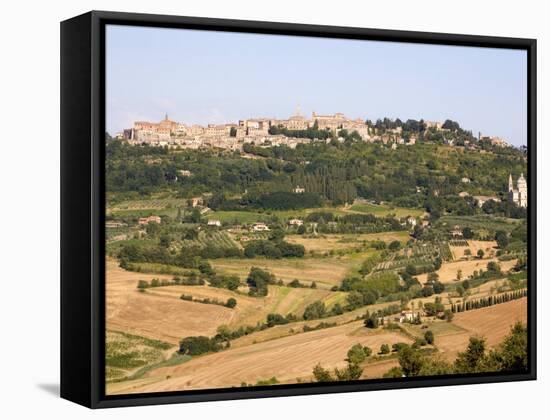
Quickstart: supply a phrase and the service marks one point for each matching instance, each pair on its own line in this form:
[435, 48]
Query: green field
[241, 217]
[439, 328]
[383, 210]
[172, 212]
[158, 268]
[480, 222]
[326, 272]
[150, 204]
[248, 217]
[126, 352]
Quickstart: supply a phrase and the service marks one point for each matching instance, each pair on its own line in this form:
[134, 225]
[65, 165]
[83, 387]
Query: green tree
[429, 337]
[411, 361]
[224, 332]
[384, 349]
[322, 375]
[350, 373]
[258, 280]
[467, 233]
[275, 319]
[394, 245]
[469, 361]
[502, 239]
[433, 277]
[371, 320]
[315, 310]
[357, 354]
[511, 354]
[231, 303]
[142, 284]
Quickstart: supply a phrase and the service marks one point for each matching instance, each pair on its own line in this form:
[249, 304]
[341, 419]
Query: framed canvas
[257, 209]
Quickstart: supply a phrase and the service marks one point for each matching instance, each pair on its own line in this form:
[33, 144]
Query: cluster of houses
[150, 219]
[233, 136]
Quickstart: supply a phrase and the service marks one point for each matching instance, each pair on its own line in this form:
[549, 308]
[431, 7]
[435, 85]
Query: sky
[202, 77]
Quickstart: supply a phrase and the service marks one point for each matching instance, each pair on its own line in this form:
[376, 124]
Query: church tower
[522, 191]
[518, 195]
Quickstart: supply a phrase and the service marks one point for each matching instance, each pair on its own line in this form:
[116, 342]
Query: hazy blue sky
[214, 77]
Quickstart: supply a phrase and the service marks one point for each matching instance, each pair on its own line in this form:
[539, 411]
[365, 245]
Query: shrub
[142, 284]
[398, 346]
[394, 245]
[276, 319]
[225, 282]
[429, 337]
[258, 280]
[231, 303]
[357, 354]
[371, 320]
[384, 349]
[193, 346]
[315, 310]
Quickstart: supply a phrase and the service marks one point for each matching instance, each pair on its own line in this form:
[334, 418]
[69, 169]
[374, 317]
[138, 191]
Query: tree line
[488, 301]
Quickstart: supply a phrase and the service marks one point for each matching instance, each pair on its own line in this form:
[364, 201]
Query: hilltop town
[298, 129]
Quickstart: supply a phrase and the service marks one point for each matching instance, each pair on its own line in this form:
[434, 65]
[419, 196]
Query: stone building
[518, 195]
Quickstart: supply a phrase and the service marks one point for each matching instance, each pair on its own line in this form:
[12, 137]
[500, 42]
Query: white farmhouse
[260, 227]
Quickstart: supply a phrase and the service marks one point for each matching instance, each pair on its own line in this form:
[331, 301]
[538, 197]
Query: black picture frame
[83, 206]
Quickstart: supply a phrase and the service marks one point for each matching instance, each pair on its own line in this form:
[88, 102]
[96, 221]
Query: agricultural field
[288, 358]
[463, 249]
[419, 255]
[480, 222]
[125, 353]
[325, 272]
[156, 317]
[448, 271]
[161, 309]
[338, 242]
[148, 204]
[493, 323]
[247, 217]
[384, 210]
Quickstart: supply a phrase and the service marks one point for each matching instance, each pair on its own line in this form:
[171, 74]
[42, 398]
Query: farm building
[482, 199]
[456, 232]
[150, 219]
[214, 222]
[112, 224]
[260, 227]
[295, 222]
[406, 316]
[196, 201]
